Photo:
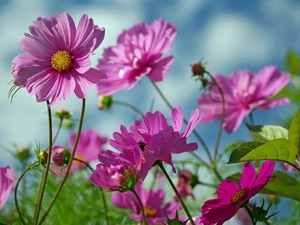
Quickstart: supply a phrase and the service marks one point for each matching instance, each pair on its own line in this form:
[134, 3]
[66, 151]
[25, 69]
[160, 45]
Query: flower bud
[105, 102]
[198, 69]
[43, 156]
[60, 156]
[23, 153]
[63, 114]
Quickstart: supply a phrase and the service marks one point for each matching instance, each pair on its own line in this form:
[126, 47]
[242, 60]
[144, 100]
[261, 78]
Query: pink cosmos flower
[118, 171]
[90, 145]
[152, 200]
[6, 184]
[232, 196]
[57, 58]
[244, 92]
[156, 138]
[139, 52]
[183, 185]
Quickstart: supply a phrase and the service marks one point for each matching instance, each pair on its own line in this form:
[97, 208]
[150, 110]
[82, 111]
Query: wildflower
[138, 52]
[90, 144]
[244, 92]
[152, 200]
[118, 171]
[156, 138]
[57, 58]
[183, 186]
[232, 196]
[6, 184]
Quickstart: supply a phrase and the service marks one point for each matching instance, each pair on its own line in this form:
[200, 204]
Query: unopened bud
[63, 114]
[198, 69]
[43, 156]
[60, 155]
[105, 102]
[23, 153]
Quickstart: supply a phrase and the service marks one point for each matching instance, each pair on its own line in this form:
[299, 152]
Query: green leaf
[294, 132]
[278, 149]
[267, 133]
[282, 185]
[243, 150]
[292, 62]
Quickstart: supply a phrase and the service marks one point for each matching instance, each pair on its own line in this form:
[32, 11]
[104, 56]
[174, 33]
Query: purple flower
[6, 184]
[57, 58]
[139, 52]
[156, 138]
[232, 196]
[244, 92]
[118, 171]
[153, 203]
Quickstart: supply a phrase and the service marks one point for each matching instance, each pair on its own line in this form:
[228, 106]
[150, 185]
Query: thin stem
[141, 204]
[251, 118]
[16, 190]
[44, 178]
[250, 213]
[221, 119]
[208, 185]
[129, 106]
[69, 164]
[58, 130]
[177, 193]
[185, 121]
[101, 190]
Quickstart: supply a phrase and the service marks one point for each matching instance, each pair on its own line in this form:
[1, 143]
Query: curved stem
[101, 190]
[129, 106]
[222, 116]
[250, 213]
[141, 204]
[69, 164]
[16, 190]
[58, 130]
[45, 176]
[177, 193]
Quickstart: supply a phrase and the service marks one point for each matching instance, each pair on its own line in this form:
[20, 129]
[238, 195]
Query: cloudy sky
[229, 35]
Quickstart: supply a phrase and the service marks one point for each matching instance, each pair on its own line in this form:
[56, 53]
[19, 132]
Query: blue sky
[229, 35]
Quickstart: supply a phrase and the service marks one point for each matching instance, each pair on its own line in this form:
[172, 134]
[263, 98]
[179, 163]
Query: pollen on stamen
[240, 194]
[150, 212]
[61, 61]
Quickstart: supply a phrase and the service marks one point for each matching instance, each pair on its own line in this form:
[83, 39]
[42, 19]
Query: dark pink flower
[153, 203]
[139, 52]
[231, 196]
[6, 184]
[183, 185]
[156, 138]
[118, 171]
[57, 58]
[244, 92]
[90, 145]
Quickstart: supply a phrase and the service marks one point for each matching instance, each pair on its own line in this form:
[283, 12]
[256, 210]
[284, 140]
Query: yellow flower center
[77, 162]
[149, 211]
[238, 196]
[61, 61]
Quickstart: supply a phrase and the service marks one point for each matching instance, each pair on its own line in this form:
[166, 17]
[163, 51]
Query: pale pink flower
[153, 203]
[6, 184]
[139, 52]
[118, 171]
[56, 61]
[156, 138]
[244, 91]
[231, 196]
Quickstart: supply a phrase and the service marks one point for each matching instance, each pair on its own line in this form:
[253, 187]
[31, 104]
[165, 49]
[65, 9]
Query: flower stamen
[239, 195]
[61, 61]
[150, 212]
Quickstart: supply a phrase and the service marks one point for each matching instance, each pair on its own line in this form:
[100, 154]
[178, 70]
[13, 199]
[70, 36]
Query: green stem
[221, 119]
[16, 190]
[250, 213]
[251, 118]
[58, 130]
[129, 106]
[177, 193]
[69, 164]
[141, 204]
[101, 190]
[45, 175]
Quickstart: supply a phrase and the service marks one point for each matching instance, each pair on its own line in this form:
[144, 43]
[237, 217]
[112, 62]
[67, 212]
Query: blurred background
[229, 35]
